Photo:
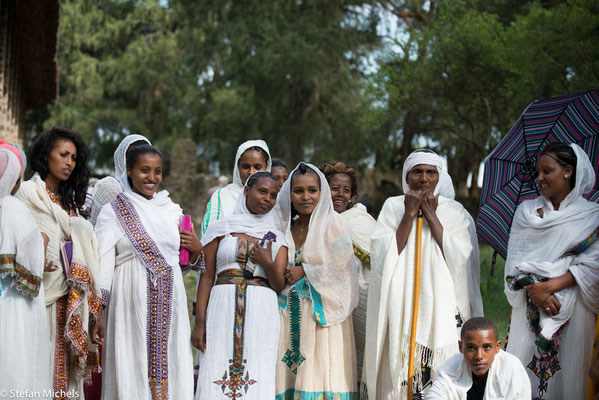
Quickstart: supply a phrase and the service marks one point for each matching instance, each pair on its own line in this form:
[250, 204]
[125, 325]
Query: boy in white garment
[481, 370]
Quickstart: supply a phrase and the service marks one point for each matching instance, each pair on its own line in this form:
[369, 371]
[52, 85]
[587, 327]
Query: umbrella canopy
[510, 174]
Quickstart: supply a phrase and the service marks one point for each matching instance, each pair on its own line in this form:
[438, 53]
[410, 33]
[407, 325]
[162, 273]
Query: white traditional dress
[24, 340]
[445, 300]
[361, 224]
[106, 189]
[222, 202]
[147, 353]
[556, 350]
[506, 380]
[71, 293]
[242, 319]
[317, 357]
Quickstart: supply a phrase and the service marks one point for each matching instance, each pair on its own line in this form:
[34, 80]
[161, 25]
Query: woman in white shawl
[316, 349]
[106, 189]
[54, 195]
[344, 191]
[24, 340]
[237, 317]
[447, 297]
[552, 275]
[251, 156]
[146, 354]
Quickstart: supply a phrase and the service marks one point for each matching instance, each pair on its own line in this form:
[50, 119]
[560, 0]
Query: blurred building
[28, 61]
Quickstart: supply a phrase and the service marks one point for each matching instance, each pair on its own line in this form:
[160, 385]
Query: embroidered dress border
[27, 283]
[293, 394]
[160, 280]
[236, 380]
[61, 349]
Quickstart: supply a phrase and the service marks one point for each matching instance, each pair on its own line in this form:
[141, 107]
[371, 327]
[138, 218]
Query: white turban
[444, 186]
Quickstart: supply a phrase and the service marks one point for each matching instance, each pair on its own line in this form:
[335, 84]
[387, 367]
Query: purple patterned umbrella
[510, 173]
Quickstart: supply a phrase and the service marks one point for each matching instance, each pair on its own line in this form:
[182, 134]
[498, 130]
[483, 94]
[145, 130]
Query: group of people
[301, 293]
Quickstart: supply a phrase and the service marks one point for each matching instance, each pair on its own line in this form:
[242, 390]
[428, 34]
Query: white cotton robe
[124, 284]
[444, 291]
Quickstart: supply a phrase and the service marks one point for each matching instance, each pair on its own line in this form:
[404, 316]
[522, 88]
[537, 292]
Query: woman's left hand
[190, 242]
[97, 331]
[294, 274]
[539, 292]
[550, 306]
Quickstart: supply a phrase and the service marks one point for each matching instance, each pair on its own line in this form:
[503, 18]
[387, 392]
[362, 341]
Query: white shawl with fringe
[82, 287]
[443, 288]
[506, 380]
[536, 246]
[327, 253]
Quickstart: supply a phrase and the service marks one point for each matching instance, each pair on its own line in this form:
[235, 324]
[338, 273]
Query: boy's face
[479, 349]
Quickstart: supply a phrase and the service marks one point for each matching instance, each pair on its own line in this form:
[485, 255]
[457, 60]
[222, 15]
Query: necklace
[301, 232]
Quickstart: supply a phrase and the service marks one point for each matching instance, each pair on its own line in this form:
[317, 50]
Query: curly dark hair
[72, 191]
[339, 167]
[564, 155]
[303, 169]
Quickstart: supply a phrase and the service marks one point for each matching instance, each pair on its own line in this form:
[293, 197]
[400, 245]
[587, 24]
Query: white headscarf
[243, 221]
[327, 252]
[536, 246]
[223, 201]
[20, 240]
[120, 158]
[108, 188]
[444, 186]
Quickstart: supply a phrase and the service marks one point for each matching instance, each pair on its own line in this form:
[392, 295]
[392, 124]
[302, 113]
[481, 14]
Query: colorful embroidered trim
[582, 246]
[160, 295]
[141, 241]
[27, 283]
[362, 254]
[234, 380]
[545, 361]
[237, 277]
[105, 297]
[61, 350]
[293, 358]
[293, 394]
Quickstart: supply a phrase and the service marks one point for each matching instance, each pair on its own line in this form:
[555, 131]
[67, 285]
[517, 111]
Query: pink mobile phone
[184, 225]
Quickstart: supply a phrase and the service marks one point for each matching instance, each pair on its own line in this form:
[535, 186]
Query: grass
[495, 304]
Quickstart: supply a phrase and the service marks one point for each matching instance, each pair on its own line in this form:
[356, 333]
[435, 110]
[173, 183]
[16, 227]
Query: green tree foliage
[120, 73]
[464, 75]
[285, 71]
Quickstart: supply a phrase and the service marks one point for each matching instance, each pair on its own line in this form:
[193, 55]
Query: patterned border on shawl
[362, 254]
[160, 294]
[139, 238]
[293, 394]
[27, 284]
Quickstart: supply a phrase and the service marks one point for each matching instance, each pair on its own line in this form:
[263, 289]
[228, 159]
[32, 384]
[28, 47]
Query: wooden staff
[418, 262]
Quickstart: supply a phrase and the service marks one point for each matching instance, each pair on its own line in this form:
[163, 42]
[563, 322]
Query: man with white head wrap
[449, 259]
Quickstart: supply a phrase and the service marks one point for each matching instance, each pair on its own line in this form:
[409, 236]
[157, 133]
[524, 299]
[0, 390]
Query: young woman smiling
[54, 195]
[237, 319]
[316, 351]
[552, 275]
[146, 353]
